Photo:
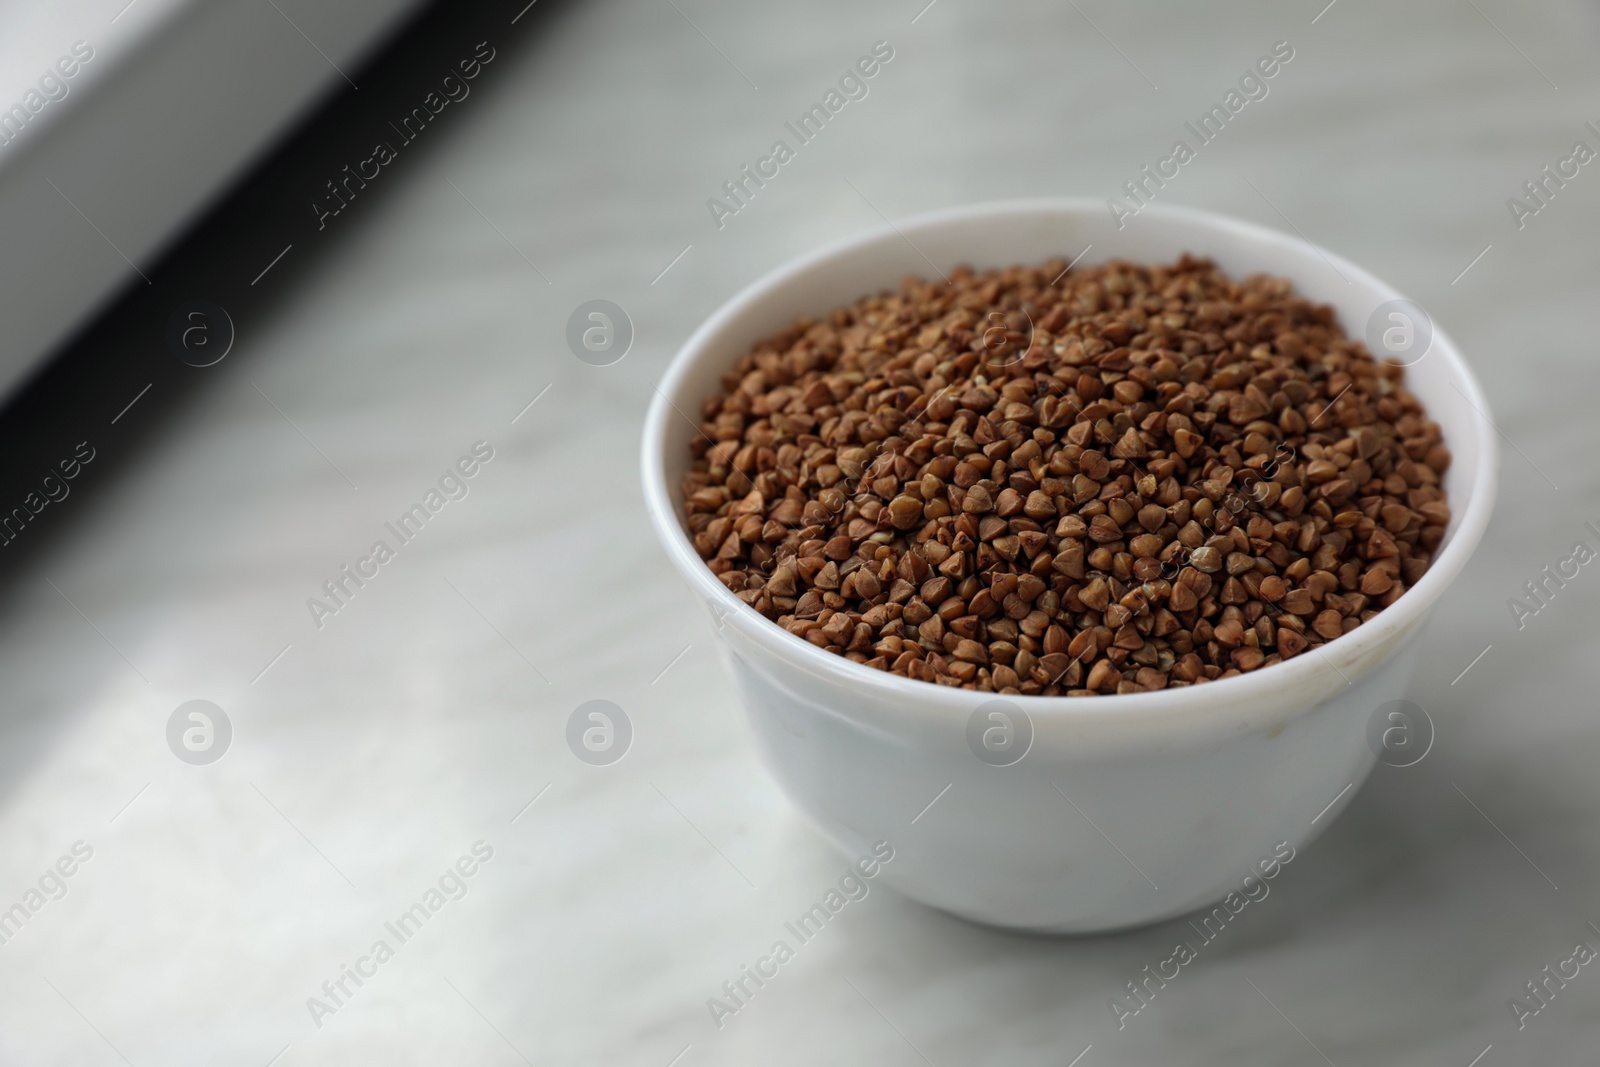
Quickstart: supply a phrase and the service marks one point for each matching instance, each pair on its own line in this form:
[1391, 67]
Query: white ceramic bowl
[1125, 809]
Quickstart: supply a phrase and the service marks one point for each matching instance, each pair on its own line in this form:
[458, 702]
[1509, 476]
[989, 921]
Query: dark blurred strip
[85, 412]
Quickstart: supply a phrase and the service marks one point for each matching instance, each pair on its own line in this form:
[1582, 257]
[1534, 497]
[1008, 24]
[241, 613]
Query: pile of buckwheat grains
[1039, 481]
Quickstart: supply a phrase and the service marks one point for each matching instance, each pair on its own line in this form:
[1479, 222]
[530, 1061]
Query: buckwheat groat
[1114, 479]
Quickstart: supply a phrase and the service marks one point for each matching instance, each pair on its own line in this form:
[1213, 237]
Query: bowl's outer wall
[1006, 846]
[1196, 793]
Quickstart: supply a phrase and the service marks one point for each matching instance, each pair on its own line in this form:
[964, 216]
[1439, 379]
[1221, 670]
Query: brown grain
[1151, 477]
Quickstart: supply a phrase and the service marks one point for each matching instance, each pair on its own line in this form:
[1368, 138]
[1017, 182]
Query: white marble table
[427, 713]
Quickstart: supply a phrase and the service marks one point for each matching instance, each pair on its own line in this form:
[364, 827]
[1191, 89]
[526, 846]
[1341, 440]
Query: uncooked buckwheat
[1114, 479]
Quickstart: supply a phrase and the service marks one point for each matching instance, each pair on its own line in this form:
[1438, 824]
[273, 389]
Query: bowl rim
[1219, 701]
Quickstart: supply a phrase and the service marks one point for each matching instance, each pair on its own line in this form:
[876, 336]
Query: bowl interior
[1003, 234]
